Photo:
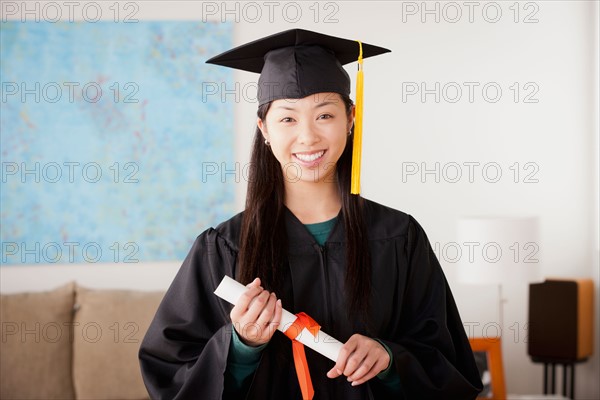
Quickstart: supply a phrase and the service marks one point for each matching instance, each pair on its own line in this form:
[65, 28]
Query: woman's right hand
[256, 315]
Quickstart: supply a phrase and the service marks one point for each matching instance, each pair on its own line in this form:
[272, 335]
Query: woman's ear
[351, 118]
[263, 128]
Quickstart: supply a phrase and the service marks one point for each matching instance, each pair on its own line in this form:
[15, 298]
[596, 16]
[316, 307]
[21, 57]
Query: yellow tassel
[356, 151]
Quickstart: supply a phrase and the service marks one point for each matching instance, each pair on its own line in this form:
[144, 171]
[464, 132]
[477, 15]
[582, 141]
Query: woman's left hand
[360, 359]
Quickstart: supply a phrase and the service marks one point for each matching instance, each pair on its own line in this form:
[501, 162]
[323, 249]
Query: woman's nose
[307, 134]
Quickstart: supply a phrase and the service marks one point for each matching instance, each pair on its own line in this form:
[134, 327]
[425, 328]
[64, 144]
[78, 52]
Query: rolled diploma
[230, 290]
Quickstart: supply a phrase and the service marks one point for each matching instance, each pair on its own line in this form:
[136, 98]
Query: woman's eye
[287, 119]
[325, 116]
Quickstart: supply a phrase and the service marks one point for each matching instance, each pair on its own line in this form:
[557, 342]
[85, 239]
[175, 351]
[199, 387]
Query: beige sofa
[74, 343]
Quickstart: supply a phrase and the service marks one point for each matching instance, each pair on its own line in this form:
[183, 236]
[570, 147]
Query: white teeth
[309, 157]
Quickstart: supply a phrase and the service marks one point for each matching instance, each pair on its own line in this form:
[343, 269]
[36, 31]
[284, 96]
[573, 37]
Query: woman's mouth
[309, 159]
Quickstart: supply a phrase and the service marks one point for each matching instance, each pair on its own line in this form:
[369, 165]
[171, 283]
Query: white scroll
[230, 290]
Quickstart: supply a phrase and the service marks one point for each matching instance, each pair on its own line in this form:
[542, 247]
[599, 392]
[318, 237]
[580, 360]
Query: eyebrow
[322, 104]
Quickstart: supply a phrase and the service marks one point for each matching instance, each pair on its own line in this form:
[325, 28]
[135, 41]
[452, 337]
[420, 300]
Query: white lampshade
[498, 250]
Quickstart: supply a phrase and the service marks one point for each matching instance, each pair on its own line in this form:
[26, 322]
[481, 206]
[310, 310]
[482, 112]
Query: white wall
[558, 134]
[142, 276]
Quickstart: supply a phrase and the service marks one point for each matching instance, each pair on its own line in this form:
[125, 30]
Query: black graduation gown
[184, 352]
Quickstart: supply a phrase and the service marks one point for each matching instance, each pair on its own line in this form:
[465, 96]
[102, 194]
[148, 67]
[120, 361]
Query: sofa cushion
[35, 352]
[109, 326]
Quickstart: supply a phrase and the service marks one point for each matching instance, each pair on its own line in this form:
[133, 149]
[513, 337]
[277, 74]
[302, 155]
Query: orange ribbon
[302, 321]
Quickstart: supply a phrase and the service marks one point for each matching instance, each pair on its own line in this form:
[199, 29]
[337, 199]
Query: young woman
[364, 272]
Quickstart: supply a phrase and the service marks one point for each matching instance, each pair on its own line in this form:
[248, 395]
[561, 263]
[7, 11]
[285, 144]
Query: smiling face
[308, 135]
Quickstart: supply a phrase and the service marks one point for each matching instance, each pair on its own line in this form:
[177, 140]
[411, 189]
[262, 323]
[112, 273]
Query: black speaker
[561, 320]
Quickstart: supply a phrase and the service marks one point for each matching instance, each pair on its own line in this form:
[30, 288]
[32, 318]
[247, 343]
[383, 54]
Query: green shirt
[321, 230]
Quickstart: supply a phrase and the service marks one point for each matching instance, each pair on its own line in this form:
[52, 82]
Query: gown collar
[298, 234]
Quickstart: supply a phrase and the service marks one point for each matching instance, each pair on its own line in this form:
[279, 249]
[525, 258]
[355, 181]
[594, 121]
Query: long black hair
[263, 240]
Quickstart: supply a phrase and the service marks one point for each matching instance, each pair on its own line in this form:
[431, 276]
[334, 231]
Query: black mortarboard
[296, 63]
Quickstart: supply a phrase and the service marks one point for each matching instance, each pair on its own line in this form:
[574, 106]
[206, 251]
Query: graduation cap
[296, 63]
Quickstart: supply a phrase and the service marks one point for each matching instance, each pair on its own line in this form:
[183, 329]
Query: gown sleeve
[431, 351]
[184, 352]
